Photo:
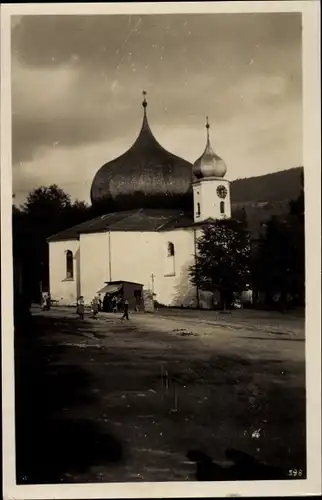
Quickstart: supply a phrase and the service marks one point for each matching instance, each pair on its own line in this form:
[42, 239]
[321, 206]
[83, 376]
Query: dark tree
[272, 271]
[279, 262]
[297, 206]
[223, 259]
[46, 211]
[46, 199]
[297, 225]
[240, 214]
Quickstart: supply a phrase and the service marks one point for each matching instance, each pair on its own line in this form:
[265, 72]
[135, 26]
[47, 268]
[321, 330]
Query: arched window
[198, 210]
[69, 264]
[222, 207]
[170, 260]
[170, 249]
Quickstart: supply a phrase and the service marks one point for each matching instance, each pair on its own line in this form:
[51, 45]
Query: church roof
[148, 220]
[162, 220]
[145, 176]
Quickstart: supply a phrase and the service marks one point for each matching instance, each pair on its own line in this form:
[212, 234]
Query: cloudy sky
[77, 83]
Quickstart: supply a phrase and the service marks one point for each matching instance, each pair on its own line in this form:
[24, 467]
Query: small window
[170, 260]
[170, 249]
[198, 210]
[69, 265]
[222, 207]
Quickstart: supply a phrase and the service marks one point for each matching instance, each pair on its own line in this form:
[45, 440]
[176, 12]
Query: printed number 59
[295, 472]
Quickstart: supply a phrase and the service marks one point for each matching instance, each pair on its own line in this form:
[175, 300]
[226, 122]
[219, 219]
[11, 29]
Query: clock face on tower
[222, 191]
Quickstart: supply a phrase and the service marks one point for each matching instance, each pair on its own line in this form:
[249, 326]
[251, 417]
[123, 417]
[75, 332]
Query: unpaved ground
[97, 405]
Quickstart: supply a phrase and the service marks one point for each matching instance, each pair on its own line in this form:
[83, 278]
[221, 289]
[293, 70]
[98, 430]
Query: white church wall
[176, 289]
[94, 263]
[135, 257]
[62, 288]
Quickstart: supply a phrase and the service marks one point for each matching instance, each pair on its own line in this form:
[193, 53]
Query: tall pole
[152, 277]
[197, 288]
[109, 257]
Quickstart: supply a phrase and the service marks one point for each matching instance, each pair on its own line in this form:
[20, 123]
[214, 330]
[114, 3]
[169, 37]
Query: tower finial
[207, 127]
[144, 103]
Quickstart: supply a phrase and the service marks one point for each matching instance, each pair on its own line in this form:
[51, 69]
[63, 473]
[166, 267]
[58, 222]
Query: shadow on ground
[210, 402]
[49, 446]
[244, 468]
[283, 339]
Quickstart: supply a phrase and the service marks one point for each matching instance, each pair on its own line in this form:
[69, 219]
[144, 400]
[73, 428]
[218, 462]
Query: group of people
[96, 306]
[117, 304]
[112, 303]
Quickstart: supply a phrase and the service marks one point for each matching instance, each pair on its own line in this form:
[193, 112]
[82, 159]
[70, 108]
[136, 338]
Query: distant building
[152, 205]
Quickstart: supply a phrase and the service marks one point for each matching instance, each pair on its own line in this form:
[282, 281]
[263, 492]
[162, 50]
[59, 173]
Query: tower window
[222, 207]
[69, 265]
[198, 210]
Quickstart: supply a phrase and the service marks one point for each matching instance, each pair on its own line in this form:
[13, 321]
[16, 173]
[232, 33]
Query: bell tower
[211, 192]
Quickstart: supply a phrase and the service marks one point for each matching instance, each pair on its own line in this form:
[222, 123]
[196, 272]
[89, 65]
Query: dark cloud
[96, 38]
[64, 131]
[76, 81]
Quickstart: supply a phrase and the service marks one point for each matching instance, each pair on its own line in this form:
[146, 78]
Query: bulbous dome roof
[209, 164]
[146, 176]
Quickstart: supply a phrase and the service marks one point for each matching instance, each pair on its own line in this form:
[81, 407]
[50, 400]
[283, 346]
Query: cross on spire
[207, 127]
[144, 103]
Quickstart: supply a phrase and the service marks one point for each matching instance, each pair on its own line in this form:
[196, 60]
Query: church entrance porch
[112, 401]
[114, 293]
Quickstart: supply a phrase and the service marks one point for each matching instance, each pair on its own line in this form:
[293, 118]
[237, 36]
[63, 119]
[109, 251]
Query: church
[153, 205]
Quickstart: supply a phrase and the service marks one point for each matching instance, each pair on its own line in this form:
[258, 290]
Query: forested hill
[259, 198]
[279, 186]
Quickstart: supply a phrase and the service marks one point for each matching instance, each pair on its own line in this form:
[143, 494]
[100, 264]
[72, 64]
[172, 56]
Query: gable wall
[62, 289]
[94, 263]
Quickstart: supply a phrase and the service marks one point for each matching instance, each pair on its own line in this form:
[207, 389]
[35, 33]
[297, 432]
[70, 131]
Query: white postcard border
[312, 153]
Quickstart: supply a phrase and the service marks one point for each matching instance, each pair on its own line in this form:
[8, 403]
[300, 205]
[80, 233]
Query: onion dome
[209, 164]
[146, 176]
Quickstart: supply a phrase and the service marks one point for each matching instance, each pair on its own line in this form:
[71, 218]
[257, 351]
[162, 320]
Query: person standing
[80, 307]
[48, 302]
[119, 303]
[100, 302]
[95, 307]
[106, 303]
[126, 310]
[114, 304]
[44, 301]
